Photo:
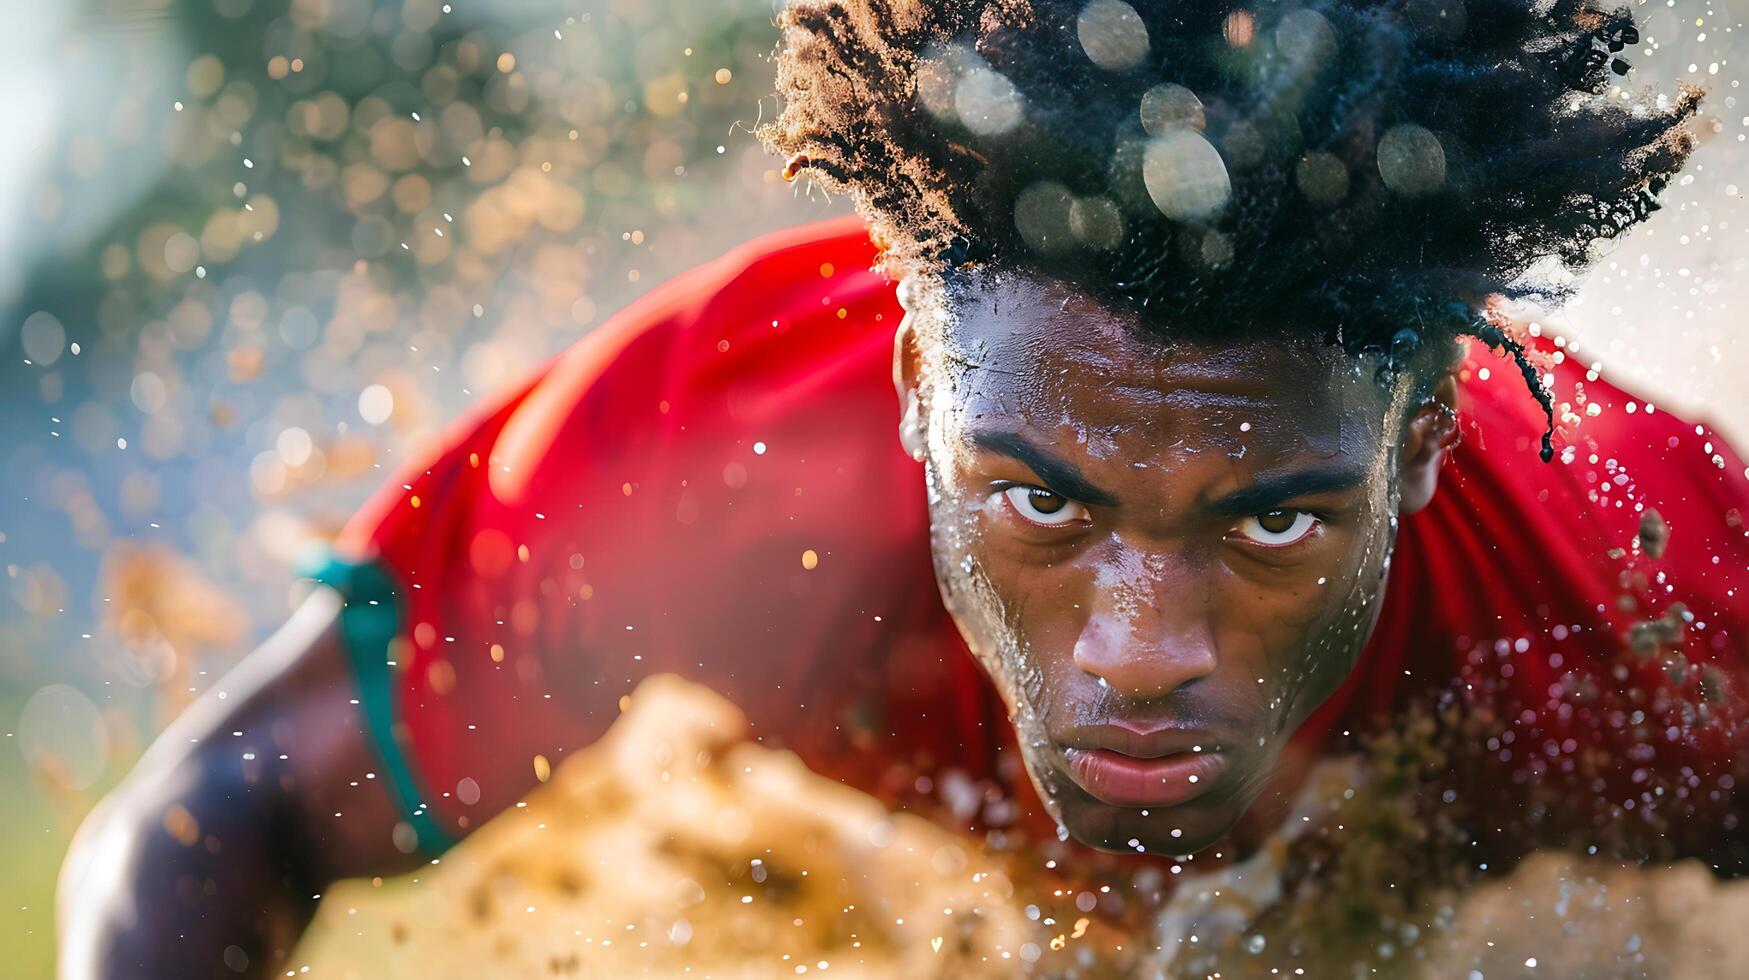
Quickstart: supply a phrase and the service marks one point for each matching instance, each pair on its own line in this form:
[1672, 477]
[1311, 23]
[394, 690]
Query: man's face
[1166, 554]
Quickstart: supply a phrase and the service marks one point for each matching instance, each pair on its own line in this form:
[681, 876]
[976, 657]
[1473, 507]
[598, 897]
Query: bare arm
[206, 861]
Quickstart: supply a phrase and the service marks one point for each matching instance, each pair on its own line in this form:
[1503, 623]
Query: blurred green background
[253, 252]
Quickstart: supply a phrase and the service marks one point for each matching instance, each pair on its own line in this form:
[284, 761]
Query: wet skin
[1165, 553]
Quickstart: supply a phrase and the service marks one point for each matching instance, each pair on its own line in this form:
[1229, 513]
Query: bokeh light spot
[375, 404]
[987, 102]
[1041, 215]
[43, 338]
[1305, 39]
[1168, 107]
[1411, 160]
[1185, 176]
[1097, 222]
[1112, 34]
[1322, 178]
[61, 733]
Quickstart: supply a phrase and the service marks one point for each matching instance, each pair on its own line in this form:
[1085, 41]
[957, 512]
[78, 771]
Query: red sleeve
[669, 495]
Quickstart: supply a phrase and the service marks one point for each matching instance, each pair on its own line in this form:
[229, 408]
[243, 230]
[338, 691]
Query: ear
[1427, 439]
[907, 374]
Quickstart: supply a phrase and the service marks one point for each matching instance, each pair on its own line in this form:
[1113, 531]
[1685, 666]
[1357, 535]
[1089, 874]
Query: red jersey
[712, 484]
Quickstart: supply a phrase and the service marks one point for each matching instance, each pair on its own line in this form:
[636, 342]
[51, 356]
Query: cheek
[996, 600]
[1315, 635]
[956, 540]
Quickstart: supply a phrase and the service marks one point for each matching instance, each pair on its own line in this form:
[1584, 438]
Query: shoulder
[774, 320]
[790, 319]
[1531, 541]
[726, 445]
[1618, 453]
[1516, 556]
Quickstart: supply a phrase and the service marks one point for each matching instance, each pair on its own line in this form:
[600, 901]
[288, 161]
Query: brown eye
[1278, 521]
[1044, 501]
[1278, 528]
[1040, 506]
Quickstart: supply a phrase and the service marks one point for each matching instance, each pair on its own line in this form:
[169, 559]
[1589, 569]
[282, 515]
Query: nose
[1147, 653]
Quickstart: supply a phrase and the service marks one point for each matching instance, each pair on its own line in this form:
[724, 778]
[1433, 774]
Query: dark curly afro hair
[1368, 171]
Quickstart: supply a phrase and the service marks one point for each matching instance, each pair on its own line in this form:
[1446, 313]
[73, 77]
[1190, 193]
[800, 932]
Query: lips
[1125, 780]
[1124, 765]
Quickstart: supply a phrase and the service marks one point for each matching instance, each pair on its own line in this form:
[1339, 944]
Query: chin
[1100, 825]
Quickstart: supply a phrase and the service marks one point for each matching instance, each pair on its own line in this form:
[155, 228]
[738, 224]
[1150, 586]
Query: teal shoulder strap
[370, 619]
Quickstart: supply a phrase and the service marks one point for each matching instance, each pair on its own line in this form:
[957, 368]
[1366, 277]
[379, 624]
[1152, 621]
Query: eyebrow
[1268, 491]
[1059, 475]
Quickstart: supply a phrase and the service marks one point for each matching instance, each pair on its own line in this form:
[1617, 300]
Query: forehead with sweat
[1000, 348]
